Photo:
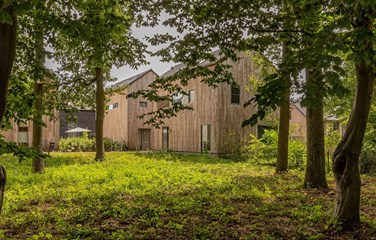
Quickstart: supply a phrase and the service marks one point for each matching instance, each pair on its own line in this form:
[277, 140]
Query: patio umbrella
[78, 130]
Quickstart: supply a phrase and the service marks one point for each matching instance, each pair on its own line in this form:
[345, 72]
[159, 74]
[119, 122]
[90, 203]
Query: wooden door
[145, 139]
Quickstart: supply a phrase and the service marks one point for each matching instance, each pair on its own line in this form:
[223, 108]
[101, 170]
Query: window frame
[235, 95]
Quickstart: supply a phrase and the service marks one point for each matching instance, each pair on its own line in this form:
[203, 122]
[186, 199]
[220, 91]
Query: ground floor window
[205, 138]
[165, 138]
[23, 136]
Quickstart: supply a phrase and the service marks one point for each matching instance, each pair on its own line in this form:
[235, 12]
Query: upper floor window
[178, 97]
[191, 96]
[113, 106]
[235, 95]
[184, 98]
[143, 104]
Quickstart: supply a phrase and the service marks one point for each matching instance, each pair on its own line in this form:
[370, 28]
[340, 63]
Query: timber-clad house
[121, 122]
[217, 114]
[213, 126]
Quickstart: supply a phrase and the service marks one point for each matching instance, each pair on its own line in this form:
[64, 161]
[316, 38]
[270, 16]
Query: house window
[23, 136]
[235, 95]
[143, 104]
[184, 98]
[71, 125]
[205, 138]
[113, 106]
[165, 138]
[177, 98]
[191, 96]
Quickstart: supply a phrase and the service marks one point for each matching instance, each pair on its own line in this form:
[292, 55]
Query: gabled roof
[300, 108]
[131, 80]
[180, 66]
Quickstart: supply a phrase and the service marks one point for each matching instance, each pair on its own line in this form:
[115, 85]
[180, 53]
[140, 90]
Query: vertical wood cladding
[122, 123]
[212, 106]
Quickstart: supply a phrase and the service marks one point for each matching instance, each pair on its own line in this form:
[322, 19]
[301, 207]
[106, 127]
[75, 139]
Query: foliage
[77, 144]
[84, 144]
[173, 196]
[110, 145]
[263, 151]
[22, 153]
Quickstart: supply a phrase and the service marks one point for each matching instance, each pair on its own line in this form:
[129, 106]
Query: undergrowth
[166, 196]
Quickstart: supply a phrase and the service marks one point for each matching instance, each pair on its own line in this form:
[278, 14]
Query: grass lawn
[168, 196]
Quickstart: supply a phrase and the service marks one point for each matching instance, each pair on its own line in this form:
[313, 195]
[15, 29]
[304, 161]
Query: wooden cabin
[121, 122]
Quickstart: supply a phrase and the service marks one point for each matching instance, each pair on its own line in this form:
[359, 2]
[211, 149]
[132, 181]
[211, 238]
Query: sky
[154, 62]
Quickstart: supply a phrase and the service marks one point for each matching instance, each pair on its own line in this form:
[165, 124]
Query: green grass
[166, 196]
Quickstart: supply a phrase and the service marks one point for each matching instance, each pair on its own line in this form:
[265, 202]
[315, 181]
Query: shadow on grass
[184, 157]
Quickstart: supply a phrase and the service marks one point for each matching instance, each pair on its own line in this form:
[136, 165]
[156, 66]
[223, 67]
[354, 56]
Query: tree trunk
[346, 155]
[8, 35]
[3, 180]
[315, 176]
[284, 121]
[38, 162]
[99, 114]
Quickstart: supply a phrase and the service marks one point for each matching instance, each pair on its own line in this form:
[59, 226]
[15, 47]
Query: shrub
[263, 151]
[110, 145]
[77, 144]
[297, 154]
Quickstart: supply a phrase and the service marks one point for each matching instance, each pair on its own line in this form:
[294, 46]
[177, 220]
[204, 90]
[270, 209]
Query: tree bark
[284, 120]
[8, 35]
[315, 176]
[3, 180]
[346, 155]
[99, 114]
[38, 162]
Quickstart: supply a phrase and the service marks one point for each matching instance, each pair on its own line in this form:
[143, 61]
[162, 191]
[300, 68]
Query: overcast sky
[154, 63]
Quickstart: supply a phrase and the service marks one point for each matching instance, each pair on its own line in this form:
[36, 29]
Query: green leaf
[5, 17]
[22, 8]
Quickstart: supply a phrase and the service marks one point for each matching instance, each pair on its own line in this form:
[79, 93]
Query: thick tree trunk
[346, 155]
[315, 176]
[8, 35]
[3, 180]
[284, 122]
[38, 162]
[99, 114]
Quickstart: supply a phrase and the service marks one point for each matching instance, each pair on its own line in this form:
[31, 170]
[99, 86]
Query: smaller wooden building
[55, 128]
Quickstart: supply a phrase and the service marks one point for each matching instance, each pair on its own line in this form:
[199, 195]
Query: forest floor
[169, 196]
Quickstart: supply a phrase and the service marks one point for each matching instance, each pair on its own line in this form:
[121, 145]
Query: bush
[263, 151]
[297, 154]
[110, 145]
[77, 144]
